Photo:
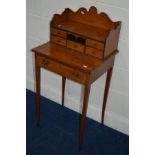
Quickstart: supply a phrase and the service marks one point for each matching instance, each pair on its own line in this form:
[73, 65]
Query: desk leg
[37, 69]
[63, 89]
[84, 112]
[106, 91]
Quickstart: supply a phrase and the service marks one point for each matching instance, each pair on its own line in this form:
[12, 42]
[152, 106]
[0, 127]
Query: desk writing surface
[68, 56]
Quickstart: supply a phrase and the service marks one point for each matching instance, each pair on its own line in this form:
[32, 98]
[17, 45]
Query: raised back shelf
[86, 31]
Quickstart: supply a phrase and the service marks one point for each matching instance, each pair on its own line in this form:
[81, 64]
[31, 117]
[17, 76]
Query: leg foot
[106, 91]
[37, 69]
[63, 89]
[84, 113]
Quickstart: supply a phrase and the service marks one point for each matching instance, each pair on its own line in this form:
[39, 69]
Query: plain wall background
[39, 14]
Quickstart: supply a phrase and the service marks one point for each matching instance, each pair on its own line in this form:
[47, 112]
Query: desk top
[70, 57]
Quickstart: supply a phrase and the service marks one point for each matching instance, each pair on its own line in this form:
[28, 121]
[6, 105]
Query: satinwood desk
[82, 47]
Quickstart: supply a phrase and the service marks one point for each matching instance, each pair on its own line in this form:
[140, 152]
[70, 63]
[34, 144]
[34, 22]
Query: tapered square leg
[106, 92]
[37, 69]
[63, 89]
[84, 113]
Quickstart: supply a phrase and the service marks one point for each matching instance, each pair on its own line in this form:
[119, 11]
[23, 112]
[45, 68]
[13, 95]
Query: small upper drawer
[75, 46]
[94, 52]
[95, 44]
[59, 32]
[59, 40]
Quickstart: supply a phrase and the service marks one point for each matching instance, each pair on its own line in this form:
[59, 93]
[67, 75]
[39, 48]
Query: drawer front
[94, 52]
[58, 32]
[75, 46]
[59, 40]
[95, 44]
[61, 69]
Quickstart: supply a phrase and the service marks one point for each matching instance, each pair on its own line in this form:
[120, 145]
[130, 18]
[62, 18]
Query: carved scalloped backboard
[90, 17]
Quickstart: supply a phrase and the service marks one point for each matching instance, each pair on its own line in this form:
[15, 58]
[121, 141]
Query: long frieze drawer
[95, 44]
[59, 40]
[59, 32]
[94, 52]
[61, 69]
[75, 46]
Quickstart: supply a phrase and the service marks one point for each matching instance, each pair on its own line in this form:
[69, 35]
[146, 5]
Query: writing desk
[80, 52]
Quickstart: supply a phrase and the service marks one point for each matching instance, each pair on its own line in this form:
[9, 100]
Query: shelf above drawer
[88, 31]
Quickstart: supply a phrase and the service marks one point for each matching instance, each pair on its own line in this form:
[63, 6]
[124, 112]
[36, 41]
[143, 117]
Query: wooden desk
[71, 58]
